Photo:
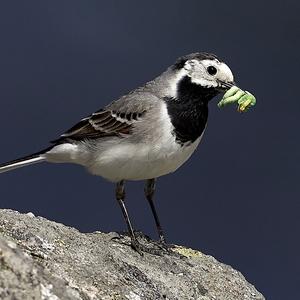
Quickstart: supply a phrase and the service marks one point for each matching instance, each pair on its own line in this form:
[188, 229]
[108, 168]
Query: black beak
[225, 86]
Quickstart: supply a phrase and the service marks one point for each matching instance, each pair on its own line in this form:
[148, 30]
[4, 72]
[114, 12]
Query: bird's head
[204, 70]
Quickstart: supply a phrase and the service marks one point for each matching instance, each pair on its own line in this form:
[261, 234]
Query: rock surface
[40, 259]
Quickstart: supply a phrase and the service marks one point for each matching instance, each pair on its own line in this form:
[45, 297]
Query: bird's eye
[212, 70]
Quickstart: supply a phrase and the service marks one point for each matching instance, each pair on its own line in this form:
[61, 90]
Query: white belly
[139, 162]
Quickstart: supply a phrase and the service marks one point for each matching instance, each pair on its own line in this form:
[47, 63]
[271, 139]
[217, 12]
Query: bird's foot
[154, 248]
[142, 243]
[162, 245]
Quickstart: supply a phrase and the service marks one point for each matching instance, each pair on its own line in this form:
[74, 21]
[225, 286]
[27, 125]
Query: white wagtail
[145, 134]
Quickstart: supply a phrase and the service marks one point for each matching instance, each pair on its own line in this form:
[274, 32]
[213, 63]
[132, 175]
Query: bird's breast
[188, 118]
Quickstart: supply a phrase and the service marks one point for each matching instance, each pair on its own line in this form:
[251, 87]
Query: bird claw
[154, 247]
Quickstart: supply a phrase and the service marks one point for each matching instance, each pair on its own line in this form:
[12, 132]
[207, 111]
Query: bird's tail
[24, 161]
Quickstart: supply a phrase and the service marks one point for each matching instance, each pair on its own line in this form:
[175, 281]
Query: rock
[40, 259]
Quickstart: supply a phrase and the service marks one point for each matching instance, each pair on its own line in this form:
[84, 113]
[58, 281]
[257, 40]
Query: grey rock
[40, 259]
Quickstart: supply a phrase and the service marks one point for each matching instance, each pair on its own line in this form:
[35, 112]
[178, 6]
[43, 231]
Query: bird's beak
[225, 86]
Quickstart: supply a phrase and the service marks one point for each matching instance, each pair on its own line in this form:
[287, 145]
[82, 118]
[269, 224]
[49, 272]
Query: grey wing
[116, 119]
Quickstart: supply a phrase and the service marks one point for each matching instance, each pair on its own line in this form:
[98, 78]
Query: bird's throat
[189, 110]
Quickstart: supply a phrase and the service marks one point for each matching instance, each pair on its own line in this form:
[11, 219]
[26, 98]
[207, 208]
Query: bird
[145, 134]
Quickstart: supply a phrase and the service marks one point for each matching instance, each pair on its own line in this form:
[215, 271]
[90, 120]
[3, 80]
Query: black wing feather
[102, 123]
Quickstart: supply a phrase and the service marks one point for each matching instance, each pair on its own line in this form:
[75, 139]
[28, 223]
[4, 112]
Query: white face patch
[172, 89]
[199, 74]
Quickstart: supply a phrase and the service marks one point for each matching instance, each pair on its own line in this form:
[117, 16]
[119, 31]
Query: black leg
[120, 196]
[149, 192]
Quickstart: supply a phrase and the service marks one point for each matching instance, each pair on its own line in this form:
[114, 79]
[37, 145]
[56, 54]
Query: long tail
[24, 161]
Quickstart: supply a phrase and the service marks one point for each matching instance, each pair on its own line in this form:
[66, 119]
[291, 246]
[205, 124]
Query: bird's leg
[149, 193]
[120, 196]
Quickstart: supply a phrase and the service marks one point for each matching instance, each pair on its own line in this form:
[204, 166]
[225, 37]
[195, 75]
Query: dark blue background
[238, 197]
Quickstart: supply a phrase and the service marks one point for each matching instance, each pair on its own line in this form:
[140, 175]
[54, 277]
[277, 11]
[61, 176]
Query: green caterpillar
[244, 99]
